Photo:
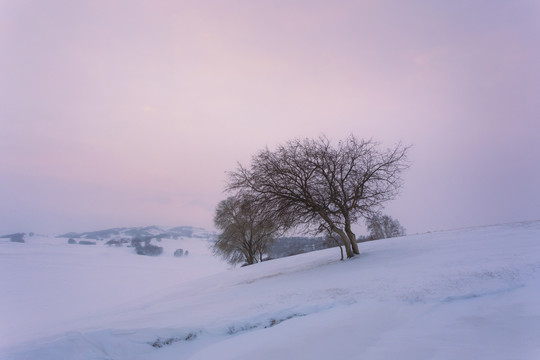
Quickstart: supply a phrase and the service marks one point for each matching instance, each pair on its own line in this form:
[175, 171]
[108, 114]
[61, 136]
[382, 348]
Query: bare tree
[384, 226]
[312, 184]
[246, 232]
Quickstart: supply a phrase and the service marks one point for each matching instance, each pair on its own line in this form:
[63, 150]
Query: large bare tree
[246, 231]
[313, 184]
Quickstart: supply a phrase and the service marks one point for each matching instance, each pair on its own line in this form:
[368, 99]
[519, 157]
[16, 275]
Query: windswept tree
[312, 184]
[383, 227]
[246, 232]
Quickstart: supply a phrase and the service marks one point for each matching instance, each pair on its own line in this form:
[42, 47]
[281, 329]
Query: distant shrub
[72, 241]
[136, 242]
[159, 343]
[113, 242]
[86, 242]
[19, 237]
[179, 252]
[148, 250]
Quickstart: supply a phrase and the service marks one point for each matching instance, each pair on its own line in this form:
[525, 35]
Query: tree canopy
[246, 232]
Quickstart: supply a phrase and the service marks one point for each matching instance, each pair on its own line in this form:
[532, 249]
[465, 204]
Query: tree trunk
[351, 235]
[346, 242]
[341, 233]
[352, 239]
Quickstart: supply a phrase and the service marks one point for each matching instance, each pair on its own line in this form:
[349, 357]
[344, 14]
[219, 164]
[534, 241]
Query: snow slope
[47, 283]
[463, 294]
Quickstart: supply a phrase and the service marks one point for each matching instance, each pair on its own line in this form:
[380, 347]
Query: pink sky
[129, 113]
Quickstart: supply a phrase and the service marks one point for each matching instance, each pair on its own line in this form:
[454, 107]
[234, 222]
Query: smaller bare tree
[246, 232]
[383, 226]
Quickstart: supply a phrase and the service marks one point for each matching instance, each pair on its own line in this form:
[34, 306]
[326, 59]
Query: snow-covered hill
[463, 294]
[160, 232]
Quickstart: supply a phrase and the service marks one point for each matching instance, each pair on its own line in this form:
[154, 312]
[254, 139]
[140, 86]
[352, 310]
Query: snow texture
[463, 294]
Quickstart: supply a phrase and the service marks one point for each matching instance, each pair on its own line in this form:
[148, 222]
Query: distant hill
[154, 232]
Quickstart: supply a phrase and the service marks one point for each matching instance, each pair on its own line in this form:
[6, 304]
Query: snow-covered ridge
[148, 240]
[462, 294]
[142, 232]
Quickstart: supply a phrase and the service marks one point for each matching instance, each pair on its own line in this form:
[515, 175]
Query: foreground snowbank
[465, 294]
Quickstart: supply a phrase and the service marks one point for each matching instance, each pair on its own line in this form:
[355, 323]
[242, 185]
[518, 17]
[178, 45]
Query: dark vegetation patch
[86, 242]
[274, 322]
[237, 329]
[143, 247]
[181, 252]
[192, 335]
[160, 342]
[113, 242]
[17, 237]
[270, 323]
[288, 246]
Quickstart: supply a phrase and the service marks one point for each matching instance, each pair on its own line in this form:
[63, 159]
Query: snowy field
[463, 294]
